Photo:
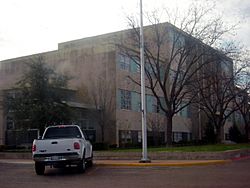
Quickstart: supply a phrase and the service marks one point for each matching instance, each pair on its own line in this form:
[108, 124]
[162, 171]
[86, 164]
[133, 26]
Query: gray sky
[34, 26]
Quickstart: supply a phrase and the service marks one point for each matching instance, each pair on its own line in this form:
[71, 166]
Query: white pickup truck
[60, 146]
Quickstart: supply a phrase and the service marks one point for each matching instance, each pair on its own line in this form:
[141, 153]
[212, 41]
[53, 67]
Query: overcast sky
[34, 26]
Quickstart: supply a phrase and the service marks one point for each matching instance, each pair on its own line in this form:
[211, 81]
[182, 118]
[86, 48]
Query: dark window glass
[62, 132]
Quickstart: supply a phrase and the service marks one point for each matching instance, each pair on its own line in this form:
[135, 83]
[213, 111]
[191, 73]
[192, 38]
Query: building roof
[79, 105]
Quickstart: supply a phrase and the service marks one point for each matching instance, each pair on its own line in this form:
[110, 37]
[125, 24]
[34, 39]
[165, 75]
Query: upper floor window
[124, 63]
[184, 112]
[129, 100]
[125, 99]
[130, 64]
[177, 39]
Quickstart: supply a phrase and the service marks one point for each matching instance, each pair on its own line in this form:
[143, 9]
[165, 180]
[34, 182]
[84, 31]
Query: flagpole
[144, 158]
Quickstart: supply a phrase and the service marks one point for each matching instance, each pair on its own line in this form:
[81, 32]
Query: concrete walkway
[134, 163]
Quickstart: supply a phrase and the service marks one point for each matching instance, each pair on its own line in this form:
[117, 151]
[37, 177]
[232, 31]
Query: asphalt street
[22, 175]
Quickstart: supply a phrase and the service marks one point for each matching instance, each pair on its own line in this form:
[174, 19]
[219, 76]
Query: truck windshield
[62, 132]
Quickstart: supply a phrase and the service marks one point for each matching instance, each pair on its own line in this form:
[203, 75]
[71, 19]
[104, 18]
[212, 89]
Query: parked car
[60, 146]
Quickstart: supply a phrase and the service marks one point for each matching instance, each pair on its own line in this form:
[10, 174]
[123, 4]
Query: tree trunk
[102, 132]
[246, 129]
[218, 134]
[168, 131]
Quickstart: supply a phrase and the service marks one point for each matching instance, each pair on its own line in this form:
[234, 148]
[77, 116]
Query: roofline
[26, 56]
[112, 34]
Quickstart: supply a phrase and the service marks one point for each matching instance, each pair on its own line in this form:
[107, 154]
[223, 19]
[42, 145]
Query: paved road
[22, 175]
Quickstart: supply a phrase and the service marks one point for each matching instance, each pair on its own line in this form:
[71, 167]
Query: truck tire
[82, 165]
[39, 168]
[90, 161]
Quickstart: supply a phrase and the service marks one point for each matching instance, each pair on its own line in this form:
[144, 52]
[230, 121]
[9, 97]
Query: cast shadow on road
[65, 171]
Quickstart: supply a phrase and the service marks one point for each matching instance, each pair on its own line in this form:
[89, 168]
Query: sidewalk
[134, 163]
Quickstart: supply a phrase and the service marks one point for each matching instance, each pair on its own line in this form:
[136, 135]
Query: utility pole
[144, 158]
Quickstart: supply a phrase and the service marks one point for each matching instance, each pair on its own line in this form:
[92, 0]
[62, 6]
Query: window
[125, 99]
[181, 136]
[184, 112]
[230, 118]
[177, 39]
[138, 67]
[139, 137]
[135, 66]
[90, 135]
[84, 124]
[136, 101]
[238, 117]
[10, 123]
[150, 103]
[126, 136]
[177, 136]
[124, 63]
[130, 64]
[62, 132]
[156, 106]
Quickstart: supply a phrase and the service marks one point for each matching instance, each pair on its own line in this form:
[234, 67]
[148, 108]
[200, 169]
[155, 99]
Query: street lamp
[144, 158]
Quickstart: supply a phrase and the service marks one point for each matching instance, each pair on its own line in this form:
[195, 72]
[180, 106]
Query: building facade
[99, 70]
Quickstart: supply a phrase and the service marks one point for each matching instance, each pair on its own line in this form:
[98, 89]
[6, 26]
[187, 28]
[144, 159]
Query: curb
[114, 163]
[240, 158]
[163, 163]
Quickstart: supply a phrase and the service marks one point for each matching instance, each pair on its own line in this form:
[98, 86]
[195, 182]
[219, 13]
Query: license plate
[53, 158]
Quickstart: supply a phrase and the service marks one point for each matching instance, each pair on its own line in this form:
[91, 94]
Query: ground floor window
[21, 137]
[128, 138]
[125, 137]
[10, 123]
[91, 135]
[181, 136]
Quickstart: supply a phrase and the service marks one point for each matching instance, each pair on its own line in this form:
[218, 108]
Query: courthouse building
[98, 59]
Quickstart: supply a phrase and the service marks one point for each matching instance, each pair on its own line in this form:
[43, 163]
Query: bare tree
[99, 93]
[242, 102]
[175, 55]
[221, 89]
[156, 125]
[217, 93]
[242, 99]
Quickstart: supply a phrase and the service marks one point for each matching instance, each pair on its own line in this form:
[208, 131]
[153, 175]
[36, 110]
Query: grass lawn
[202, 148]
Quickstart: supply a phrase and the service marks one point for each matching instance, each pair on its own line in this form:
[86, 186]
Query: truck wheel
[90, 161]
[82, 166]
[40, 168]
